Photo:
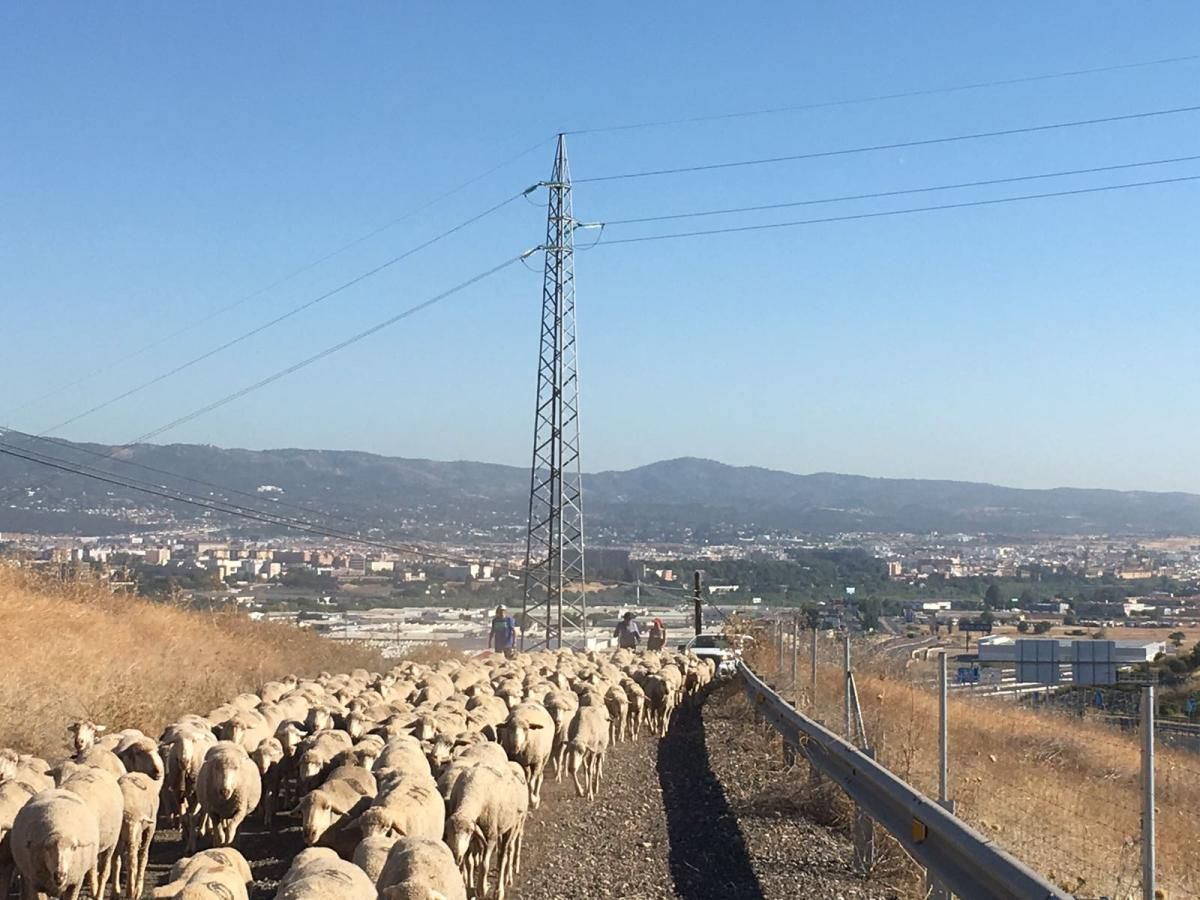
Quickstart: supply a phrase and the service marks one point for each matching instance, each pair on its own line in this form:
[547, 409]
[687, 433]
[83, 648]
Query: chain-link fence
[1052, 776]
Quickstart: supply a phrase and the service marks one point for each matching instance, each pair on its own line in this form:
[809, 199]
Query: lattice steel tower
[555, 601]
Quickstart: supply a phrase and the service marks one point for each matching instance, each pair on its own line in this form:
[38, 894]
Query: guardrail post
[864, 834]
[779, 631]
[934, 887]
[1148, 880]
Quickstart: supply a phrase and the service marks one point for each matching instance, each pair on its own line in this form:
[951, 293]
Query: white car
[719, 649]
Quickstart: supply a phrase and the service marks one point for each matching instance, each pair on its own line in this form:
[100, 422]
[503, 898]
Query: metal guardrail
[966, 862]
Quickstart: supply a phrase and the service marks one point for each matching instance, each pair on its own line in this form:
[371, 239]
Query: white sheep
[407, 806]
[102, 792]
[13, 796]
[420, 869]
[528, 737]
[372, 852]
[190, 867]
[586, 746]
[138, 822]
[328, 810]
[484, 814]
[55, 843]
[227, 788]
[318, 874]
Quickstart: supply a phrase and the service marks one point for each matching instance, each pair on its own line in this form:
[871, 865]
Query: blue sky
[160, 161]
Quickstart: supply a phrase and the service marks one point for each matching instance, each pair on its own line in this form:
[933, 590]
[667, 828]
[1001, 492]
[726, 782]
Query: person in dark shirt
[627, 632]
[503, 636]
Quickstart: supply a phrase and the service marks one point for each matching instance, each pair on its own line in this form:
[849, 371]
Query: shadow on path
[708, 857]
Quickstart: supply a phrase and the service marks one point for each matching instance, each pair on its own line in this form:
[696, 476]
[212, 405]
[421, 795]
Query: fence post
[1148, 882]
[935, 889]
[846, 679]
[779, 633]
[795, 659]
[813, 661]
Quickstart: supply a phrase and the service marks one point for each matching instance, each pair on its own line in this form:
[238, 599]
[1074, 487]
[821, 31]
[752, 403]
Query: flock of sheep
[411, 785]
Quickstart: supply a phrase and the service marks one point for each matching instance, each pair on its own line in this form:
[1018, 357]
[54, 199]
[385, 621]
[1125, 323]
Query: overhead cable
[329, 351]
[876, 195]
[896, 212]
[900, 95]
[294, 311]
[294, 273]
[233, 510]
[895, 145]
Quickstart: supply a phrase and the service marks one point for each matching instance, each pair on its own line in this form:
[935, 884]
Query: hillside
[75, 650]
[428, 498]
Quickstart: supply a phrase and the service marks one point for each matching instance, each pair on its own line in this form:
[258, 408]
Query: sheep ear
[101, 728]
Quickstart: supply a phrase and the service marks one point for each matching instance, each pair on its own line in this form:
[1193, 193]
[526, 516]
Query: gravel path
[699, 815]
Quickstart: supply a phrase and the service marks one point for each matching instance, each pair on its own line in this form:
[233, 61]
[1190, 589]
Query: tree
[1023, 627]
[991, 599]
[1177, 638]
[988, 617]
[1029, 597]
[1041, 627]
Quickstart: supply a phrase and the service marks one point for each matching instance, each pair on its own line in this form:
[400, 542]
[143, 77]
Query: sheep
[183, 747]
[13, 796]
[98, 757]
[484, 812]
[227, 788]
[328, 810]
[84, 733]
[316, 755]
[660, 703]
[408, 806]
[190, 868]
[55, 844]
[318, 874]
[102, 793]
[141, 796]
[586, 746]
[617, 702]
[268, 757]
[247, 727]
[372, 852]
[402, 753]
[528, 736]
[141, 754]
[420, 869]
[30, 771]
[637, 706]
[562, 706]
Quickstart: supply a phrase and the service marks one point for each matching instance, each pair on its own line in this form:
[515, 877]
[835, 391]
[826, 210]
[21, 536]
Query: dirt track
[699, 815]
[704, 813]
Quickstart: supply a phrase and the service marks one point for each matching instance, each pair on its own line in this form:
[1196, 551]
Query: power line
[307, 267]
[328, 351]
[229, 509]
[112, 457]
[897, 193]
[295, 310]
[896, 145]
[901, 95]
[899, 212]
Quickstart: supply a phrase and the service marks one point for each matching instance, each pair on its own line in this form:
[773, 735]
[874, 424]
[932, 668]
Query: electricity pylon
[555, 600]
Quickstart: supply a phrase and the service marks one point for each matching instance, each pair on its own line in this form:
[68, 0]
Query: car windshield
[711, 642]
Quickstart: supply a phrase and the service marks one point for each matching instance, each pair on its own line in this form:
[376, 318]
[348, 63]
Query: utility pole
[696, 601]
[554, 573]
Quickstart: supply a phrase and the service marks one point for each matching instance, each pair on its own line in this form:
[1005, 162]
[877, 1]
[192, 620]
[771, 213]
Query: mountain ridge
[682, 496]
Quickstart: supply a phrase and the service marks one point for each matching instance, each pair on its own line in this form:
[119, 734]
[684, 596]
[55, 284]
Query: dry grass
[1062, 793]
[73, 650]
